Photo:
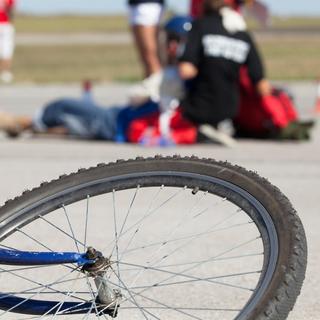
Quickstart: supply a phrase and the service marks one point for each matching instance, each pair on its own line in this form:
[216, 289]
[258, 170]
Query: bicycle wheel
[185, 239]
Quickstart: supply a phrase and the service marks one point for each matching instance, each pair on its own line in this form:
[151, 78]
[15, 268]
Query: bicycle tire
[281, 231]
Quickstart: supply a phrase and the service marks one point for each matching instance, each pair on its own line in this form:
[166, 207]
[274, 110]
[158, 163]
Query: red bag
[258, 115]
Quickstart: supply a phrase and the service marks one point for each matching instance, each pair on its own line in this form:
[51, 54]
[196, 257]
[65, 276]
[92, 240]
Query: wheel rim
[189, 182]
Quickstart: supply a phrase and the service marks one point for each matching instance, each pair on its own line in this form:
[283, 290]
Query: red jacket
[147, 130]
[5, 7]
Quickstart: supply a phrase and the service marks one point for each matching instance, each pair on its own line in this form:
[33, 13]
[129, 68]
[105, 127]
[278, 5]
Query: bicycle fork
[106, 296]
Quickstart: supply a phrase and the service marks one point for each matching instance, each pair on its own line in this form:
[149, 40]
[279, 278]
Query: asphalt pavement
[293, 167]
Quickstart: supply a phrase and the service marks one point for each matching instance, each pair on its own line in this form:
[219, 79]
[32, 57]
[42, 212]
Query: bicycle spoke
[133, 294]
[93, 296]
[198, 265]
[25, 268]
[186, 237]
[35, 240]
[41, 244]
[27, 299]
[153, 263]
[180, 224]
[169, 307]
[209, 279]
[61, 230]
[156, 252]
[10, 294]
[218, 259]
[143, 312]
[71, 229]
[75, 308]
[116, 246]
[193, 279]
[153, 199]
[48, 292]
[138, 225]
[128, 213]
[41, 285]
[182, 308]
[86, 224]
[217, 256]
[60, 304]
[7, 247]
[194, 238]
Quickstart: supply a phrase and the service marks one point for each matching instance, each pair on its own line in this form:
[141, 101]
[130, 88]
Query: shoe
[296, 130]
[216, 136]
[6, 77]
[9, 125]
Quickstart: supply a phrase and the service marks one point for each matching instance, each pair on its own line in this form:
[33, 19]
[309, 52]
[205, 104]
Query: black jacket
[218, 56]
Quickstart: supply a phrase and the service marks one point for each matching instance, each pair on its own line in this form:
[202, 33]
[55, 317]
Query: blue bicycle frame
[15, 304]
[26, 258]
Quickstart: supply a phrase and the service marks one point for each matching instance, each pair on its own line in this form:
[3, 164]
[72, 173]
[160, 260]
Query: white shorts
[145, 14]
[7, 33]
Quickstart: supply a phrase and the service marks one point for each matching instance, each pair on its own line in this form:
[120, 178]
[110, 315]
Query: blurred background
[65, 41]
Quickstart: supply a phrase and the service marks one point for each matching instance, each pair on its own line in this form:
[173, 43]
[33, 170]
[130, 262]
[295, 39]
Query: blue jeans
[81, 119]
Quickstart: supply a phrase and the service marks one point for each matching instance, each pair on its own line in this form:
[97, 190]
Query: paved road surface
[294, 167]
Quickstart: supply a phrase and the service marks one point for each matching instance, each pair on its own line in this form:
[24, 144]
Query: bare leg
[5, 70]
[14, 125]
[5, 65]
[146, 38]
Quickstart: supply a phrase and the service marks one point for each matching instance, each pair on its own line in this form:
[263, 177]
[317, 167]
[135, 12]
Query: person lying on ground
[77, 118]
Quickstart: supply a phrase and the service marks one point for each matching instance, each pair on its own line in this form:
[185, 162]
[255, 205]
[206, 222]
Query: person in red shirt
[6, 39]
[258, 10]
[197, 5]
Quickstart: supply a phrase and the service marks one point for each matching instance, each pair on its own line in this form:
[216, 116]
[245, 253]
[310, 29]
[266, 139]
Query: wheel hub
[106, 296]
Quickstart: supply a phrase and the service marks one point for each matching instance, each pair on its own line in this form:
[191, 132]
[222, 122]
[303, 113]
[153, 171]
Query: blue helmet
[179, 26]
